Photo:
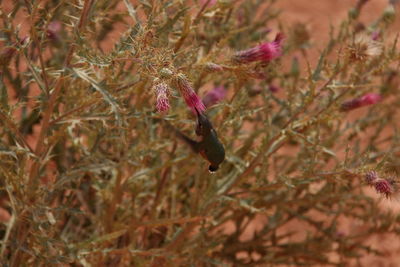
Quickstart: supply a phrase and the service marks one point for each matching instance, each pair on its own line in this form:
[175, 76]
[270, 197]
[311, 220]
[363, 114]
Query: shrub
[93, 172]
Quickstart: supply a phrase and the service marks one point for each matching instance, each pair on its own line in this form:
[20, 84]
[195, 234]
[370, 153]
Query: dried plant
[93, 172]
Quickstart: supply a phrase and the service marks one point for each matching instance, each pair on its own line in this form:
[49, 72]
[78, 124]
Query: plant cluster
[92, 174]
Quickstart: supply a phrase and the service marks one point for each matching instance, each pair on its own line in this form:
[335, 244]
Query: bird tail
[193, 144]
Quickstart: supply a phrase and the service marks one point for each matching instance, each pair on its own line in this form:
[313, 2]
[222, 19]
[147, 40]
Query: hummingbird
[209, 146]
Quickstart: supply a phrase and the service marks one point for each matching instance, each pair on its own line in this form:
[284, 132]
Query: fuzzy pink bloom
[384, 187]
[214, 96]
[191, 98]
[264, 52]
[365, 100]
[161, 91]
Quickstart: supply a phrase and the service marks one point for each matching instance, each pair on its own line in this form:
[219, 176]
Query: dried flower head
[191, 98]
[363, 47]
[365, 100]
[264, 52]
[300, 35]
[214, 96]
[371, 177]
[161, 91]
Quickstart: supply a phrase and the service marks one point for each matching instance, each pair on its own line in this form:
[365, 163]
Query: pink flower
[214, 96]
[161, 91]
[384, 187]
[264, 52]
[191, 98]
[365, 100]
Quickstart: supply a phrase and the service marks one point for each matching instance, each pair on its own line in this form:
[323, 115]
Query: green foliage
[92, 175]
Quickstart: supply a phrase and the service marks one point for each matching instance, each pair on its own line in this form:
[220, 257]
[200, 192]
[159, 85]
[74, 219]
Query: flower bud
[212, 67]
[389, 14]
[166, 73]
[365, 100]
[264, 52]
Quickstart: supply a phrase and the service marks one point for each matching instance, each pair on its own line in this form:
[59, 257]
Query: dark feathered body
[209, 145]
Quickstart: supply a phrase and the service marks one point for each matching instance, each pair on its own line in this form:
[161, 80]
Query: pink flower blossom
[264, 52]
[214, 96]
[161, 91]
[384, 187]
[191, 98]
[365, 100]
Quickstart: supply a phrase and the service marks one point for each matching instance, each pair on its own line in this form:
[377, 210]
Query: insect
[209, 146]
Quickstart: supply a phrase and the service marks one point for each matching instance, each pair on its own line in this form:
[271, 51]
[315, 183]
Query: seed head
[186, 90]
[264, 52]
[364, 47]
[365, 100]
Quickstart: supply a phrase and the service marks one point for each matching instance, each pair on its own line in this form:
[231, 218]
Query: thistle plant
[92, 173]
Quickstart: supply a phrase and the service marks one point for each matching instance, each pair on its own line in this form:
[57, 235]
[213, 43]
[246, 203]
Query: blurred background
[319, 16]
